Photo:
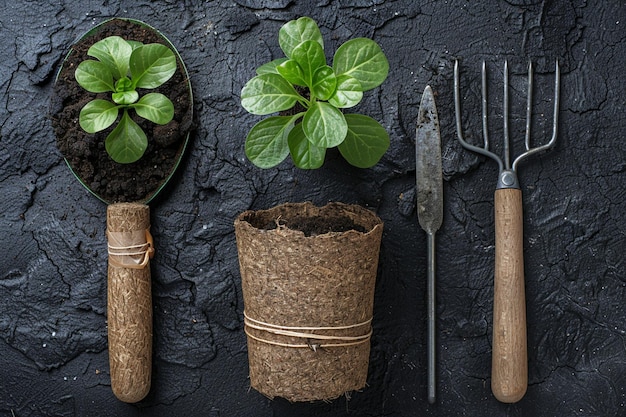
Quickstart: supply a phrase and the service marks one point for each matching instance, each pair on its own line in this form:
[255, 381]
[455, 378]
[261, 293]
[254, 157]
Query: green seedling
[317, 93]
[122, 68]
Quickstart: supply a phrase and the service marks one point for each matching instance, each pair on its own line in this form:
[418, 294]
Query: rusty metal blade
[428, 170]
[429, 177]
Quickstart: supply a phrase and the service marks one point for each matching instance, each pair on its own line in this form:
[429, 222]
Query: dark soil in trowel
[86, 154]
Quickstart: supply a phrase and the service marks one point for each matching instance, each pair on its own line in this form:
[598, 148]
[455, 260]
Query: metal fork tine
[557, 95]
[529, 103]
[506, 145]
[484, 107]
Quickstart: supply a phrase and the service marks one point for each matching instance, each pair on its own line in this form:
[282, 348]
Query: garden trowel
[130, 247]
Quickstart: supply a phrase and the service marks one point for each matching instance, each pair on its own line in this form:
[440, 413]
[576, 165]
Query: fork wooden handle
[509, 367]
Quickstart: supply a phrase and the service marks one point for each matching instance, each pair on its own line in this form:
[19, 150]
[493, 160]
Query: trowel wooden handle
[129, 300]
[509, 367]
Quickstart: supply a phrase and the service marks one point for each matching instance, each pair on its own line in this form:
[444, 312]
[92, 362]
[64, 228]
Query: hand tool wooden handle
[509, 372]
[129, 306]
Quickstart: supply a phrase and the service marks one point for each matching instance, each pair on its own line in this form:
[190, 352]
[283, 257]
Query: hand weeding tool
[429, 178]
[509, 368]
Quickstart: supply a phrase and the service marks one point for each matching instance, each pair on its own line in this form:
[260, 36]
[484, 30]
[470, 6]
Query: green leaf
[127, 142]
[134, 44]
[304, 154]
[294, 32]
[125, 94]
[324, 83]
[124, 84]
[94, 76]
[114, 52]
[324, 125]
[362, 59]
[348, 92]
[310, 57]
[292, 72]
[155, 107]
[270, 67]
[268, 93]
[366, 141]
[152, 65]
[97, 115]
[125, 97]
[266, 143]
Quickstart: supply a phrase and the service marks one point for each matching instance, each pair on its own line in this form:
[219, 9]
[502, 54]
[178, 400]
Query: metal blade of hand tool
[429, 177]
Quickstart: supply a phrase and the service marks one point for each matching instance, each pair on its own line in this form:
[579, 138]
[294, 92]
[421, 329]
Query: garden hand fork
[509, 367]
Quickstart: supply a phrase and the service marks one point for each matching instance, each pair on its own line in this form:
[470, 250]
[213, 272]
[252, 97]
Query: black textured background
[53, 349]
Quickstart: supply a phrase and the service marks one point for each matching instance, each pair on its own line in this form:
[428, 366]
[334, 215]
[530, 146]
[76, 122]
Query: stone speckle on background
[53, 348]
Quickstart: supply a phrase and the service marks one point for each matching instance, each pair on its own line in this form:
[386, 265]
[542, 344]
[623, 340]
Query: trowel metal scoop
[130, 247]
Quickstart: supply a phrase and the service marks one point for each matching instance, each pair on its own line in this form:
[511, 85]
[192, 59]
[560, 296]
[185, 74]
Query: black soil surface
[313, 226]
[86, 154]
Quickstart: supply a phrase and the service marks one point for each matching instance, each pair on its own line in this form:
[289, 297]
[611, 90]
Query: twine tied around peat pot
[307, 333]
[132, 249]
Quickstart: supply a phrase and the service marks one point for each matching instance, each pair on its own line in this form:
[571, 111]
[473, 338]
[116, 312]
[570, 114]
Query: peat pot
[308, 277]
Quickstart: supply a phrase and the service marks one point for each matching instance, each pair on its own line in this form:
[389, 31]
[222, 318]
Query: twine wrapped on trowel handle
[129, 308]
[132, 249]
